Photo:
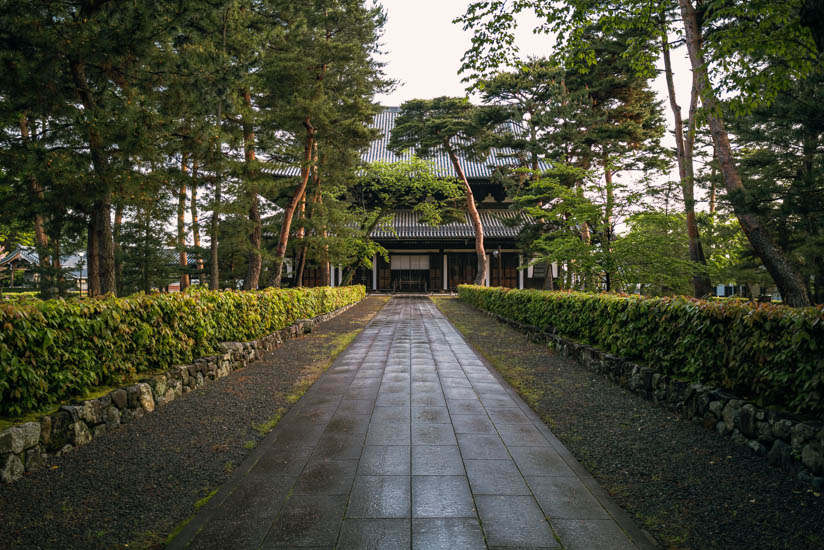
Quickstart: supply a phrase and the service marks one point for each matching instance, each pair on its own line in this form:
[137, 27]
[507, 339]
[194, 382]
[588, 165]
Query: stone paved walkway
[409, 440]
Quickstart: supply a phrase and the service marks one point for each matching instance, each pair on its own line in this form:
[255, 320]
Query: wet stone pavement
[409, 440]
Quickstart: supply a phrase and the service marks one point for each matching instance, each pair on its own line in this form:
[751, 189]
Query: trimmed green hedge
[771, 354]
[54, 350]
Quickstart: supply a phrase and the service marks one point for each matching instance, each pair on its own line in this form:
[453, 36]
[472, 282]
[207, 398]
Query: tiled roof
[75, 264]
[378, 151]
[406, 225]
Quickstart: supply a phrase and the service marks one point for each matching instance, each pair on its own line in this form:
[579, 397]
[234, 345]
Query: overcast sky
[424, 49]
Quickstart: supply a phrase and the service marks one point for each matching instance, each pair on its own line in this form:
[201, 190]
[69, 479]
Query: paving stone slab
[447, 534]
[408, 441]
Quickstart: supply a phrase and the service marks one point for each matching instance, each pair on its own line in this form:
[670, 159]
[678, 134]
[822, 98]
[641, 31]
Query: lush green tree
[653, 254]
[781, 152]
[450, 125]
[752, 49]
[387, 186]
[319, 89]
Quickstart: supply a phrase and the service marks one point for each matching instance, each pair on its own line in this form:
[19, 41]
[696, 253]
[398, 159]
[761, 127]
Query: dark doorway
[462, 269]
[503, 269]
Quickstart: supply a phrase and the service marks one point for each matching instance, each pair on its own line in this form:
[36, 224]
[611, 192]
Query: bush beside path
[689, 487]
[132, 488]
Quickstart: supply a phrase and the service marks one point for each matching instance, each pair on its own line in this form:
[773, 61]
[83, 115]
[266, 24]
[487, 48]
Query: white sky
[424, 49]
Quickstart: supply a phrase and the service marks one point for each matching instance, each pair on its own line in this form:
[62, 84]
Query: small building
[424, 258]
[21, 265]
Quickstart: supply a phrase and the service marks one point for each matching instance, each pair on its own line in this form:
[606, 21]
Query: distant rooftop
[378, 151]
[406, 224]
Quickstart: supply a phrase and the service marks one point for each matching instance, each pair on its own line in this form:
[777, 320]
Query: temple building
[424, 258]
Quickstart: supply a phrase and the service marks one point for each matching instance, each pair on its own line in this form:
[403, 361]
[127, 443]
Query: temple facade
[424, 258]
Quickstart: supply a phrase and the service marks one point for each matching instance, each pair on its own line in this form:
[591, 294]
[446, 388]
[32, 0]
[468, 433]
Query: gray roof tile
[406, 224]
[378, 151]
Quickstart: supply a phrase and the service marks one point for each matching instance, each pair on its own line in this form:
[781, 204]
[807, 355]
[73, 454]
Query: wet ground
[410, 440]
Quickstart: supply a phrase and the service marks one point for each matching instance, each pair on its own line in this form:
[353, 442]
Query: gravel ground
[131, 488]
[687, 486]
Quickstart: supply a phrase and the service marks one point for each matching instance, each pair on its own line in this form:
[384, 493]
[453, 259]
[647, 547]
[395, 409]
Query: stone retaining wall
[25, 447]
[793, 444]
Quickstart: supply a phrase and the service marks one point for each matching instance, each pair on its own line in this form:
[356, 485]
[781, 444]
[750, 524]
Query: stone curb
[25, 447]
[794, 444]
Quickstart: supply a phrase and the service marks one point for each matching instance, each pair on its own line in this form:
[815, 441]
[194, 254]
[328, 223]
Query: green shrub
[54, 350]
[769, 353]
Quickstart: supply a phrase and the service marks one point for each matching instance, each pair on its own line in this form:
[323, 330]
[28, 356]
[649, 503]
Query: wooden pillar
[375, 272]
[520, 272]
[445, 272]
[331, 276]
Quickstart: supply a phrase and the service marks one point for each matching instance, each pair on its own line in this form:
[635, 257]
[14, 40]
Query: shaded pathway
[409, 440]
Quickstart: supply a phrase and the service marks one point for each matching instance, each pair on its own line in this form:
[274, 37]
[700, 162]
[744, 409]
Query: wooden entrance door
[462, 269]
[503, 270]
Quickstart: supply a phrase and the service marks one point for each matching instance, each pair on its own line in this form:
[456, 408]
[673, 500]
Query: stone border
[25, 447]
[794, 444]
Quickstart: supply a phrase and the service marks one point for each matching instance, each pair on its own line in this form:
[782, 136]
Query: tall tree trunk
[196, 220]
[118, 255]
[301, 254]
[610, 210]
[102, 208]
[183, 259]
[786, 276]
[289, 211]
[41, 240]
[214, 271]
[549, 284]
[713, 176]
[92, 258]
[252, 279]
[59, 288]
[474, 216]
[105, 243]
[684, 149]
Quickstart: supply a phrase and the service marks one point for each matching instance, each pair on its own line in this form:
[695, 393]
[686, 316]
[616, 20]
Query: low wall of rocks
[791, 443]
[25, 447]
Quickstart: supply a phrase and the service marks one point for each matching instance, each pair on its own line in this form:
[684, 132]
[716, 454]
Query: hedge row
[54, 350]
[770, 354]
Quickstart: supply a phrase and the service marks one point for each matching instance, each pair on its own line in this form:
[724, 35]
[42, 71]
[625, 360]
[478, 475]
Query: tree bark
[610, 209]
[474, 216]
[254, 266]
[118, 258]
[41, 240]
[289, 211]
[183, 259]
[300, 258]
[214, 271]
[102, 208]
[92, 259]
[105, 243]
[196, 220]
[786, 276]
[684, 150]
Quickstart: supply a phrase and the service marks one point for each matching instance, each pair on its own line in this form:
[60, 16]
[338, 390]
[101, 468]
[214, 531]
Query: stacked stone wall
[794, 444]
[26, 447]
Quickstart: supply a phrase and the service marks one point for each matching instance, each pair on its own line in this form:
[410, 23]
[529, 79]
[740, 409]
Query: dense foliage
[772, 353]
[53, 350]
[116, 119]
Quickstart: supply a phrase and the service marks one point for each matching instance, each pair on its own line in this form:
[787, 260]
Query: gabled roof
[378, 151]
[406, 224]
[25, 254]
[75, 264]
